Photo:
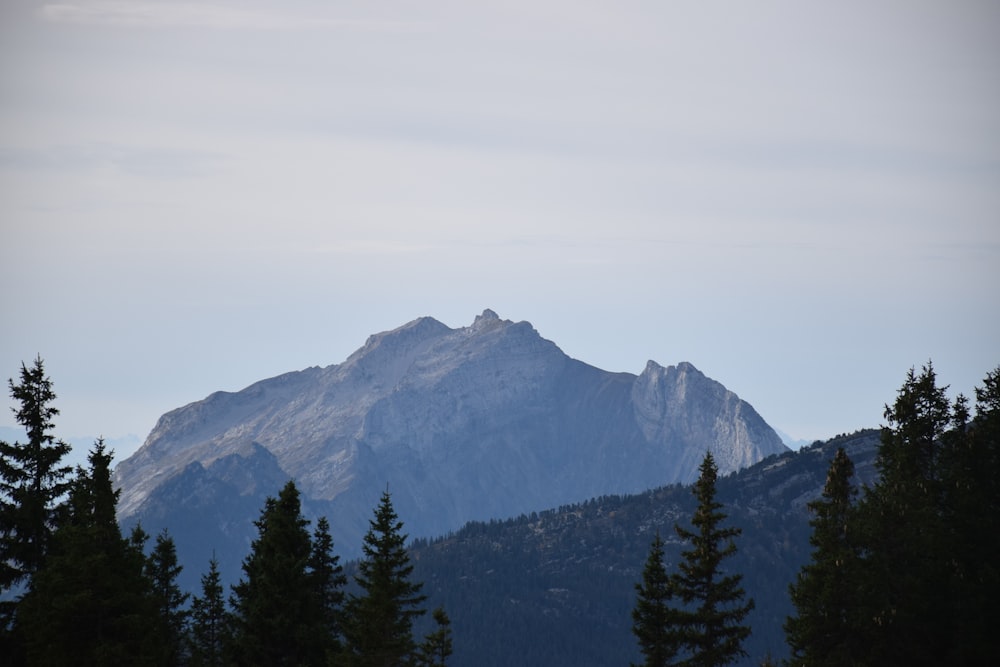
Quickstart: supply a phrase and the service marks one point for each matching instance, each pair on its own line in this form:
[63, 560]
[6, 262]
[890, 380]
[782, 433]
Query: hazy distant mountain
[489, 420]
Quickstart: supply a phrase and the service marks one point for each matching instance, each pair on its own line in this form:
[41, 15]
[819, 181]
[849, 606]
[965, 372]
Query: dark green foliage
[90, 604]
[908, 574]
[162, 569]
[379, 620]
[972, 484]
[824, 629]
[711, 625]
[905, 580]
[32, 481]
[278, 615]
[437, 646]
[209, 619]
[328, 581]
[654, 616]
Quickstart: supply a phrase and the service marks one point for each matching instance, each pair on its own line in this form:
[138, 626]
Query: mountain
[556, 588]
[485, 421]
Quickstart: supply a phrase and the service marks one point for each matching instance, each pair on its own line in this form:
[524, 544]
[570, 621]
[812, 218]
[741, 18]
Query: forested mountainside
[557, 587]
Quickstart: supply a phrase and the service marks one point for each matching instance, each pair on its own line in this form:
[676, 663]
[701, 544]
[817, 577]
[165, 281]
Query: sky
[800, 199]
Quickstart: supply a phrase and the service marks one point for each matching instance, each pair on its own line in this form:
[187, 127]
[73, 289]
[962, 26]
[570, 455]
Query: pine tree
[33, 483]
[437, 645]
[209, 629]
[379, 621]
[277, 611]
[654, 617]
[711, 620]
[824, 631]
[90, 603]
[162, 569]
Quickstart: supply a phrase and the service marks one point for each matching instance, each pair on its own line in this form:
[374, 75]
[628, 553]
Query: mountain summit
[485, 421]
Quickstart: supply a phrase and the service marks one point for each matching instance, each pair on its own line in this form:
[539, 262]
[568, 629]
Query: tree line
[903, 572]
[76, 591]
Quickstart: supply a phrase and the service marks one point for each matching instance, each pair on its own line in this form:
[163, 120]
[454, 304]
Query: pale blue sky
[802, 200]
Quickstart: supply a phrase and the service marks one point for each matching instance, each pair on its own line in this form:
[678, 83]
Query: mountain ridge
[556, 587]
[484, 421]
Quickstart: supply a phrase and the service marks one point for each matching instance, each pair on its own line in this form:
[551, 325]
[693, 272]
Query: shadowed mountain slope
[556, 588]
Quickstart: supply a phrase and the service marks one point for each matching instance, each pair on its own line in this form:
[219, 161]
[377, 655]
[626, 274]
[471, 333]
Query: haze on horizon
[802, 201]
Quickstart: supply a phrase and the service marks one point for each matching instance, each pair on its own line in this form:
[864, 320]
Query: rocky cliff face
[483, 421]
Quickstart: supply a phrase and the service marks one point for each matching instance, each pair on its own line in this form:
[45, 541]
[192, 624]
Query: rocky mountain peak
[485, 421]
[487, 321]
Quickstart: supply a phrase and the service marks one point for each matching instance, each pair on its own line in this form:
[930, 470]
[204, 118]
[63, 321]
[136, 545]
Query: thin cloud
[203, 15]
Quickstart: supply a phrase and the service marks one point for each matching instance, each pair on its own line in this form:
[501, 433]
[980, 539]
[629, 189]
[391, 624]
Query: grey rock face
[489, 420]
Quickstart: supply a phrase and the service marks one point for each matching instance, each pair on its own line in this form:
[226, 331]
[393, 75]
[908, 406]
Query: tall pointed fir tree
[654, 617]
[973, 478]
[379, 620]
[824, 630]
[209, 621]
[711, 622]
[33, 485]
[162, 569]
[437, 645]
[328, 582]
[929, 529]
[904, 581]
[278, 616]
[90, 603]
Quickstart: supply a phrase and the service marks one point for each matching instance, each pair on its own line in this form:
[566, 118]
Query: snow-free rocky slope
[489, 420]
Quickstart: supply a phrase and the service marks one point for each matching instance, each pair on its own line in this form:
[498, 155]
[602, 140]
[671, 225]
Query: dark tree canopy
[91, 603]
[209, 621]
[162, 569]
[328, 580]
[713, 632]
[437, 645]
[823, 632]
[33, 482]
[379, 620]
[908, 574]
[654, 617]
[696, 616]
[279, 617]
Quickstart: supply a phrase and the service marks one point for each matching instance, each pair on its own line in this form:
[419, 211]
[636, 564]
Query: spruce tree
[328, 581]
[974, 480]
[654, 616]
[162, 569]
[379, 620]
[824, 630]
[33, 482]
[209, 621]
[926, 583]
[904, 582]
[277, 617]
[711, 620]
[437, 645]
[90, 603]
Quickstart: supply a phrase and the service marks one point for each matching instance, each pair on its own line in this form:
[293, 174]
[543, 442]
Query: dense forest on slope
[557, 587]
